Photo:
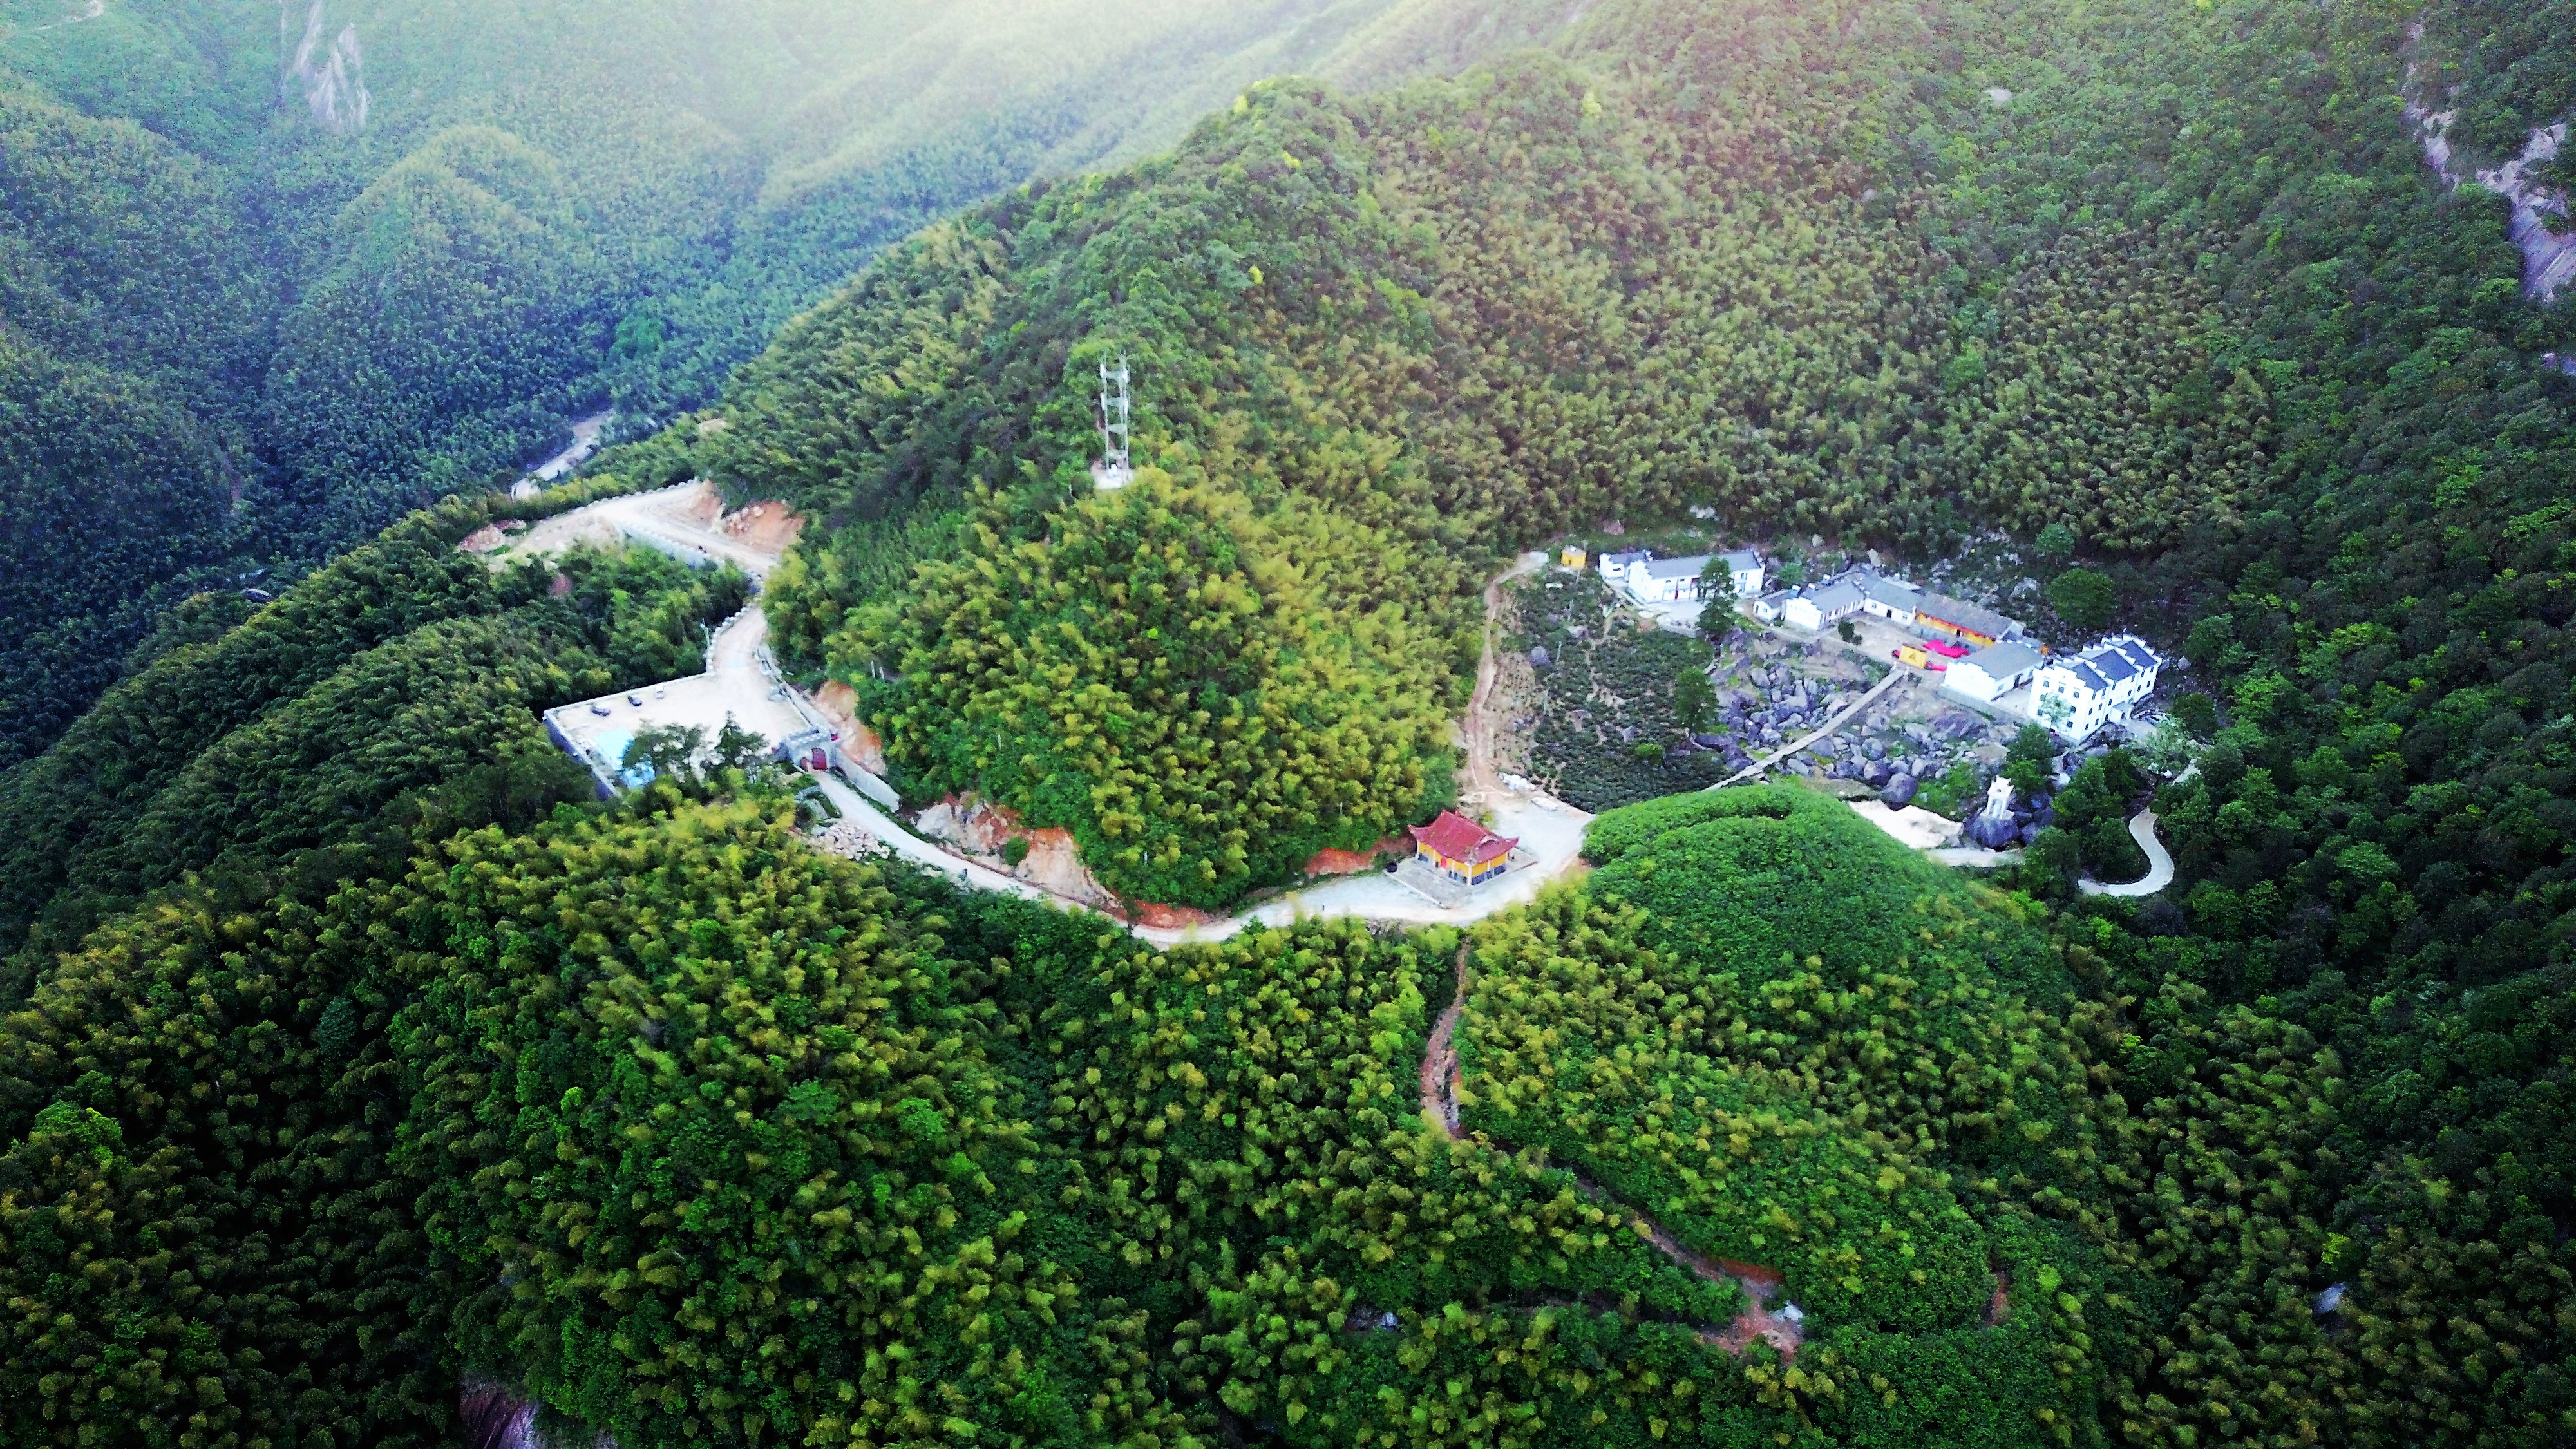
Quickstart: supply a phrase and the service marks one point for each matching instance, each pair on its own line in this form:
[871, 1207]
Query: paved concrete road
[2160, 862]
[737, 683]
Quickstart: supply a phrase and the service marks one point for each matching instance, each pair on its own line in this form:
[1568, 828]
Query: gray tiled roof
[1837, 595]
[1966, 615]
[1740, 559]
[1677, 568]
[2114, 660]
[1895, 593]
[2003, 661]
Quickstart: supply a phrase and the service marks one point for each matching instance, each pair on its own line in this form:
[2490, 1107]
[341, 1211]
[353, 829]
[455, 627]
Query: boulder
[1538, 656]
[1996, 834]
[1899, 791]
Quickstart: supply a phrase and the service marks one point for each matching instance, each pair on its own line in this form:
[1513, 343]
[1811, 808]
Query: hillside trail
[2548, 257]
[2160, 863]
[1783, 1328]
[1479, 729]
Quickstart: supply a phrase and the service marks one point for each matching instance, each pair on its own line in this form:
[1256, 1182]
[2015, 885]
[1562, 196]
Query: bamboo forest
[1382, 723]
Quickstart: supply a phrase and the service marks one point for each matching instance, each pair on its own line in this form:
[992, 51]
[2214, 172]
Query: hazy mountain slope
[382, 248]
[135, 308]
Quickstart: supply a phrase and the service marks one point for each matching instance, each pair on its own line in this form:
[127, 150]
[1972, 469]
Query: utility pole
[1113, 470]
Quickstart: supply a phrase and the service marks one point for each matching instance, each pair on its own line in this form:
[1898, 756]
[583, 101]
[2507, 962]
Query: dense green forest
[340, 260]
[358, 1061]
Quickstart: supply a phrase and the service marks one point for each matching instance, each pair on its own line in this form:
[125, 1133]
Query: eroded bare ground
[1783, 1328]
[1484, 726]
[1440, 1059]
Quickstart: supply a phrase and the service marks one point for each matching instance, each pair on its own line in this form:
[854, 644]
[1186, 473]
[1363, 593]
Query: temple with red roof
[1461, 849]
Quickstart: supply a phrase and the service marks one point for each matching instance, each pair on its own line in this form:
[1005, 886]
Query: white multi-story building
[1652, 580]
[2076, 697]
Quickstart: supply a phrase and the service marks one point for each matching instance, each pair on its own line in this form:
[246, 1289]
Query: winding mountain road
[743, 682]
[2160, 862]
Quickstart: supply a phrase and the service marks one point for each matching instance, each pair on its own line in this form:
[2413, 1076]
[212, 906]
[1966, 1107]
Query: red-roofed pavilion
[1461, 849]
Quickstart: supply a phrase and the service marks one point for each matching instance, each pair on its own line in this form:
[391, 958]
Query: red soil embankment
[1352, 862]
[1167, 918]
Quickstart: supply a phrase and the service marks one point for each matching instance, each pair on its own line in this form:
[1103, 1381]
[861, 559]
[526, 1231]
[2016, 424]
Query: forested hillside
[356, 255]
[362, 1081]
[2178, 280]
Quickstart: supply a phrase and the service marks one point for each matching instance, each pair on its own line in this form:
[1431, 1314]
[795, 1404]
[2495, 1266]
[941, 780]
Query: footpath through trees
[1442, 1082]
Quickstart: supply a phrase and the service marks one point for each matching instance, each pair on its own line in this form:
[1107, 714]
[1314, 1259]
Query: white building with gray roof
[1892, 599]
[1822, 608]
[2077, 697]
[1651, 580]
[1992, 672]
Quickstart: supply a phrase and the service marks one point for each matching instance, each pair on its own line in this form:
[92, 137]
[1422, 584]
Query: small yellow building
[1572, 558]
[1461, 849]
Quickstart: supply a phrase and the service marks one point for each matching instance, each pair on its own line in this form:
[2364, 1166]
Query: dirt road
[1479, 729]
[685, 520]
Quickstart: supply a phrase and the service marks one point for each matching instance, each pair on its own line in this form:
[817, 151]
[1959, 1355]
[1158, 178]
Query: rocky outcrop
[838, 703]
[768, 525]
[2548, 257]
[329, 76]
[1052, 861]
[490, 536]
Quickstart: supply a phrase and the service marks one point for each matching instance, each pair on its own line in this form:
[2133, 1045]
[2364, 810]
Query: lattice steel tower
[1114, 471]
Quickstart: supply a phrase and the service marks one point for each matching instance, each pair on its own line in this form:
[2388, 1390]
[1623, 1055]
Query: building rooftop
[2004, 660]
[1462, 839]
[1614, 561]
[2123, 656]
[1959, 613]
[1895, 593]
[1677, 568]
[1741, 558]
[1840, 594]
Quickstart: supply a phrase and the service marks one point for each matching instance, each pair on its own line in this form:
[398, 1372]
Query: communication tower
[1113, 471]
